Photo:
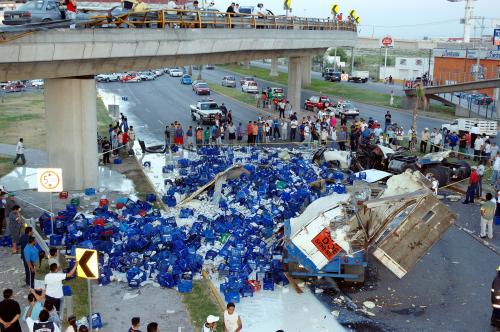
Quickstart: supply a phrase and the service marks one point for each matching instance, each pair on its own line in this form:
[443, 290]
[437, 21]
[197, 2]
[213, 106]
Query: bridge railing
[211, 19]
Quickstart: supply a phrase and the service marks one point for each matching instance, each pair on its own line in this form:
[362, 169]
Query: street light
[467, 18]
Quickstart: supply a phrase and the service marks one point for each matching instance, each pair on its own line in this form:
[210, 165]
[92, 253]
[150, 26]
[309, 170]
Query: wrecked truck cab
[341, 159]
[398, 224]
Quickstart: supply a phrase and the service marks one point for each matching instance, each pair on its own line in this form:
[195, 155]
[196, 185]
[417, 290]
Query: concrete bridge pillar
[200, 68]
[71, 112]
[295, 82]
[306, 71]
[274, 67]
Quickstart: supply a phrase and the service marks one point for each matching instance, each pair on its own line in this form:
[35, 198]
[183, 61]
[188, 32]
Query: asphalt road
[447, 291]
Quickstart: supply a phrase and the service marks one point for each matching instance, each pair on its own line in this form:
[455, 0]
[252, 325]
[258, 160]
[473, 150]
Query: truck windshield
[209, 106]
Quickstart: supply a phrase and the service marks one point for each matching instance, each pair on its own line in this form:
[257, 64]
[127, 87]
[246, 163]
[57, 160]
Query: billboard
[496, 37]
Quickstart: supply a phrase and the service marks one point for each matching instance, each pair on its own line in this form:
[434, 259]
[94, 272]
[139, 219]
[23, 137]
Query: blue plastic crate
[232, 297]
[55, 240]
[117, 161]
[185, 285]
[151, 198]
[89, 191]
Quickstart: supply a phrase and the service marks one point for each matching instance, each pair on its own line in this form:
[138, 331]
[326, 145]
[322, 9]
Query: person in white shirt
[42, 324]
[232, 320]
[211, 324]
[478, 146]
[480, 172]
[284, 130]
[20, 152]
[435, 185]
[260, 11]
[53, 283]
[496, 169]
[171, 6]
[437, 141]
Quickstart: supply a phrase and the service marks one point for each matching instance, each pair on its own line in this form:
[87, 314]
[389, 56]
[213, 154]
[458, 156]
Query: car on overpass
[229, 81]
[34, 12]
[186, 79]
[250, 87]
[201, 88]
[176, 72]
[315, 103]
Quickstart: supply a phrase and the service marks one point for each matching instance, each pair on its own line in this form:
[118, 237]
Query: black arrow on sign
[83, 264]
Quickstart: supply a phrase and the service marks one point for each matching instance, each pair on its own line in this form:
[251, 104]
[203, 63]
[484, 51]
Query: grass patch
[246, 98]
[337, 89]
[199, 304]
[6, 165]
[23, 115]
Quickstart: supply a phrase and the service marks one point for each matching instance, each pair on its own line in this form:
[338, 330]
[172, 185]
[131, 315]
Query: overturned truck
[398, 225]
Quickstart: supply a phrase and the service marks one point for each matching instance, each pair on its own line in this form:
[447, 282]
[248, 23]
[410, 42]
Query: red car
[317, 103]
[14, 87]
[133, 77]
[201, 88]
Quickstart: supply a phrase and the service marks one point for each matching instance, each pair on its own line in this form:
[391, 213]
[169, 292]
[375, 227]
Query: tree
[420, 95]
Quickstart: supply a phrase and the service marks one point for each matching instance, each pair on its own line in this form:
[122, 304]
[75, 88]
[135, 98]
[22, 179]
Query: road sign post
[49, 180]
[386, 42]
[88, 268]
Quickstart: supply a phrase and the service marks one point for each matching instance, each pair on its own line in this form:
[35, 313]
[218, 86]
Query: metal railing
[215, 20]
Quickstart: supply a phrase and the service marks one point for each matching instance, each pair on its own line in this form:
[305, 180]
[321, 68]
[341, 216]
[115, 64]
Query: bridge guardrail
[215, 20]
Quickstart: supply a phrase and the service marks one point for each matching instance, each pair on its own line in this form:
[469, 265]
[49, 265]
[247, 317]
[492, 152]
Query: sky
[387, 17]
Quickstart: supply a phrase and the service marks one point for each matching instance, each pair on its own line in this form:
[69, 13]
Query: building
[407, 68]
[460, 65]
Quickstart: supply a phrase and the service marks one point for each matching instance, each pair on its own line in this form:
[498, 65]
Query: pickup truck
[205, 111]
[359, 76]
[474, 126]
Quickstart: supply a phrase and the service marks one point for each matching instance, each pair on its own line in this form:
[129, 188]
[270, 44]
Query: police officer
[495, 300]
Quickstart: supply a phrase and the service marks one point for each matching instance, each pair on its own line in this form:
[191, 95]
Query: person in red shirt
[250, 132]
[70, 9]
[473, 181]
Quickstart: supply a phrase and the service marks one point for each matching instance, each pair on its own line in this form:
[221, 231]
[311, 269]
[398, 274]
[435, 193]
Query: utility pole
[478, 63]
[352, 60]
[335, 61]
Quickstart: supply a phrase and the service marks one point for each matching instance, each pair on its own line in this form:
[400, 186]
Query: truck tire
[441, 173]
[465, 169]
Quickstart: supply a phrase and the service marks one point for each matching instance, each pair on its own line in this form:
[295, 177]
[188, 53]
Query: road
[447, 291]
[373, 86]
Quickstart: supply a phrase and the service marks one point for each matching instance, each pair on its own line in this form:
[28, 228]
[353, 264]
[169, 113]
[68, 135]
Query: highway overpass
[68, 59]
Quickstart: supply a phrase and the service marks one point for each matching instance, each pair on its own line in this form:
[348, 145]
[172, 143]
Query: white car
[37, 84]
[176, 73]
[113, 77]
[345, 107]
[250, 87]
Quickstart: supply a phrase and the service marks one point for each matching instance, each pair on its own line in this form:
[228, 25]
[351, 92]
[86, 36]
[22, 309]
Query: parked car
[275, 94]
[130, 78]
[37, 84]
[250, 87]
[147, 76]
[201, 89]
[344, 107]
[229, 81]
[331, 75]
[483, 99]
[210, 67]
[34, 12]
[196, 82]
[15, 86]
[175, 72]
[114, 77]
[247, 78]
[315, 103]
[205, 112]
[186, 79]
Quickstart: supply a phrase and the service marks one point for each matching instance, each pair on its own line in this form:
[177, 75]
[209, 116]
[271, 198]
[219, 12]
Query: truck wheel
[465, 169]
[441, 173]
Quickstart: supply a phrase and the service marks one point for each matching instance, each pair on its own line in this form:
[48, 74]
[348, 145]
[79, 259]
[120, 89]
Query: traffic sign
[387, 41]
[344, 77]
[335, 9]
[49, 180]
[287, 4]
[496, 37]
[88, 265]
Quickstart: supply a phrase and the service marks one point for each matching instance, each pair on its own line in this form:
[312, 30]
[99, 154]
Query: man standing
[471, 190]
[31, 259]
[232, 320]
[54, 286]
[437, 141]
[136, 322]
[487, 215]
[480, 172]
[391, 100]
[388, 120]
[3, 202]
[495, 300]
[424, 140]
[20, 152]
[10, 312]
[496, 169]
[478, 146]
[15, 224]
[42, 324]
[293, 129]
[210, 324]
[24, 240]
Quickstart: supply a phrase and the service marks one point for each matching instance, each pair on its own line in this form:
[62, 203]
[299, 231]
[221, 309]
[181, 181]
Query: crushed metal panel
[415, 235]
